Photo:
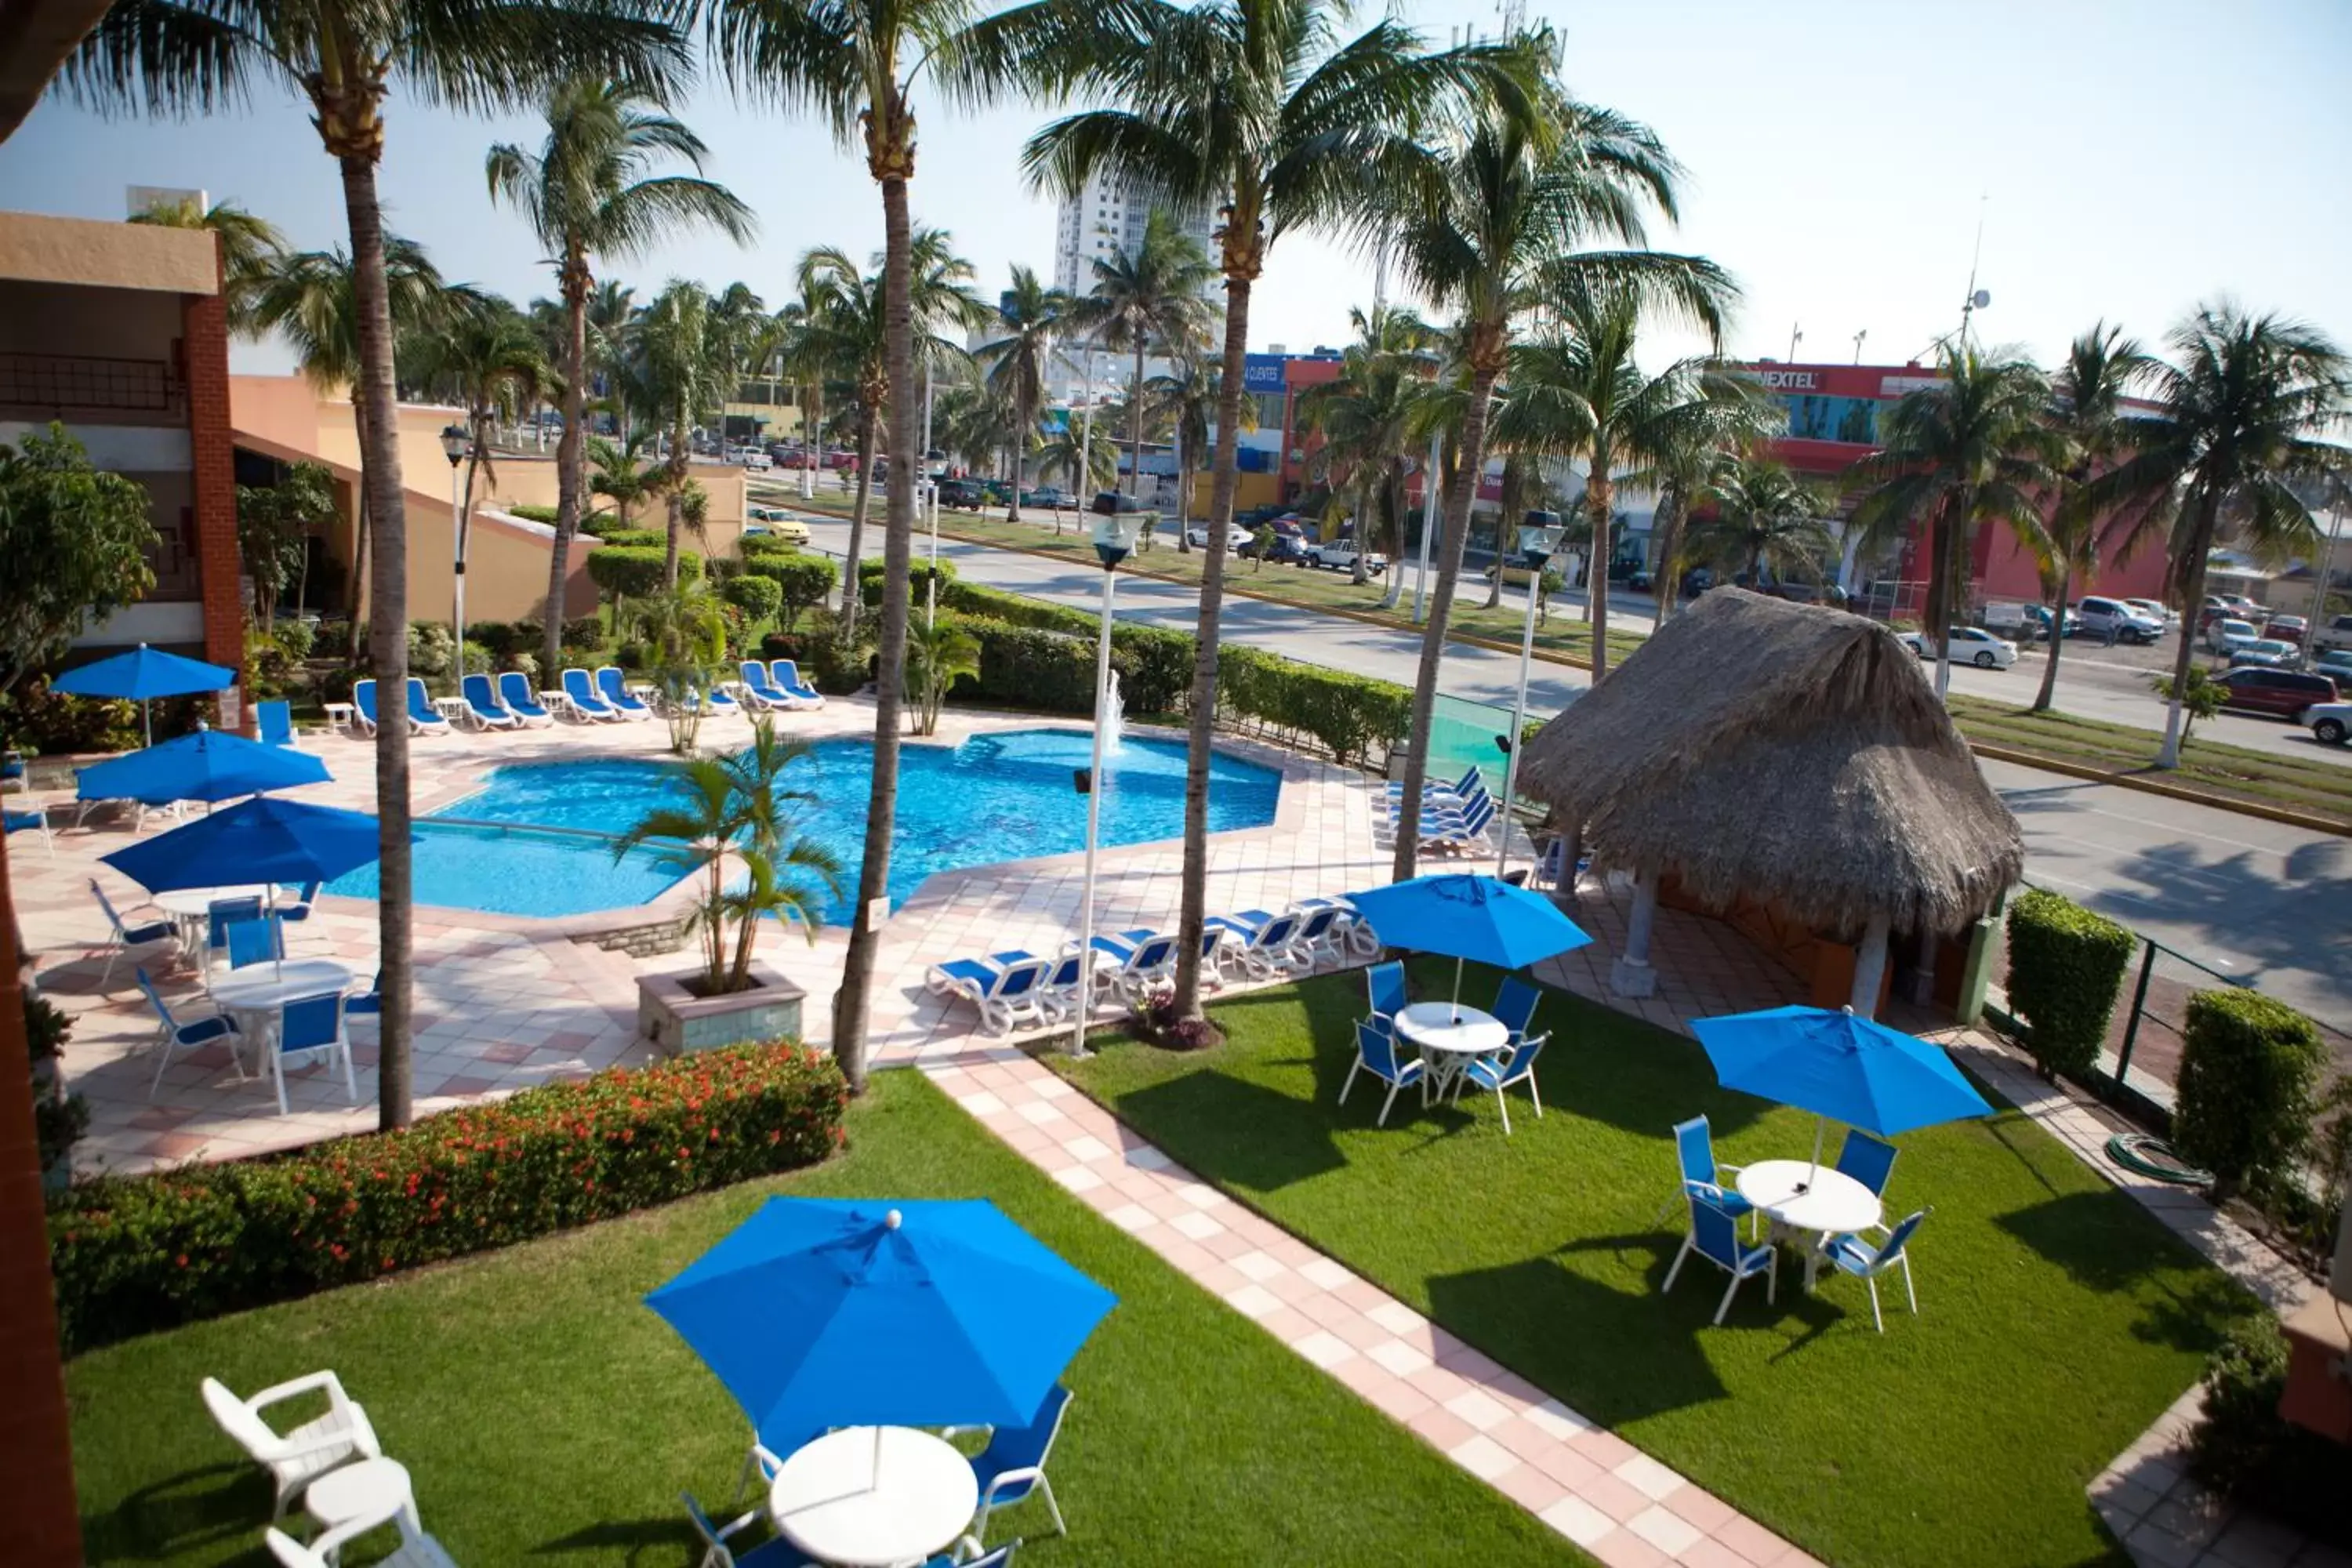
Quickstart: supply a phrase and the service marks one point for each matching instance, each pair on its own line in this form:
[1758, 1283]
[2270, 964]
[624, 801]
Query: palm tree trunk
[1396, 505]
[2192, 595]
[1451, 538]
[1135, 425]
[1020, 417]
[890, 671]
[1939, 612]
[355, 591]
[570, 469]
[853, 596]
[2048, 692]
[1193, 917]
[674, 506]
[387, 633]
[1667, 523]
[1600, 494]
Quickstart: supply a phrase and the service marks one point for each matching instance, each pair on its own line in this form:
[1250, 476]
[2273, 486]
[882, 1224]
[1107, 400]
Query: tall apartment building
[1107, 219]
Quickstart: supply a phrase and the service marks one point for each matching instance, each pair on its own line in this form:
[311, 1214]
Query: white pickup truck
[1340, 556]
[2335, 632]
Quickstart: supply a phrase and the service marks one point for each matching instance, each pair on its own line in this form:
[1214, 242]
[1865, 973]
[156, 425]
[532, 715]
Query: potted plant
[734, 830]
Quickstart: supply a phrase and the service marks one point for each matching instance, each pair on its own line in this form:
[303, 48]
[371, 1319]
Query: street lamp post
[929, 494]
[1539, 537]
[456, 444]
[1428, 499]
[1114, 536]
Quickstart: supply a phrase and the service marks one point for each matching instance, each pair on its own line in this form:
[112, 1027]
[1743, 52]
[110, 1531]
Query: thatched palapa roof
[1792, 753]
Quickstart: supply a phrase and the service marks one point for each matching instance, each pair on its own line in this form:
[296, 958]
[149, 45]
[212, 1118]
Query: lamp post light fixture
[1114, 535]
[458, 445]
[1539, 537]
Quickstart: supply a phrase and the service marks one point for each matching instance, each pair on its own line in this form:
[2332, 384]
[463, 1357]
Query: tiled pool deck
[504, 1003]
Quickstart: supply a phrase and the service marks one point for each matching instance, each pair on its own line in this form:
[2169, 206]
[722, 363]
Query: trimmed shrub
[1345, 714]
[758, 598]
[835, 670]
[580, 632]
[1050, 672]
[634, 571]
[2250, 1068]
[869, 579]
[1155, 664]
[751, 546]
[803, 581]
[432, 649]
[135, 1254]
[635, 538]
[2066, 967]
[2243, 1448]
[530, 513]
[499, 636]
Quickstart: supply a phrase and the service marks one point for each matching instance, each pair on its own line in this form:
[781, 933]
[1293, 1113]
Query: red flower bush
[132, 1255]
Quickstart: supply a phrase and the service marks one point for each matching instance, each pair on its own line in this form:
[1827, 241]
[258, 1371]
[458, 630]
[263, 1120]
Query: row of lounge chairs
[1016, 989]
[1455, 816]
[601, 696]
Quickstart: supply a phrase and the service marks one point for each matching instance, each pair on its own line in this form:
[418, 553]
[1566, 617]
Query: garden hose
[2144, 1155]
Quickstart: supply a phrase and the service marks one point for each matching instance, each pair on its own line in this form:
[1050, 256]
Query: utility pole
[1857, 344]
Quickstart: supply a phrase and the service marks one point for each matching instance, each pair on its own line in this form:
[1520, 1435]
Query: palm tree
[1185, 397]
[623, 475]
[1256, 109]
[687, 366]
[588, 196]
[1727, 415]
[2243, 404]
[488, 354]
[612, 319]
[2086, 410]
[1028, 314]
[1368, 417]
[250, 249]
[1151, 297]
[1971, 449]
[1764, 516]
[192, 56]
[1059, 458]
[939, 654]
[1497, 217]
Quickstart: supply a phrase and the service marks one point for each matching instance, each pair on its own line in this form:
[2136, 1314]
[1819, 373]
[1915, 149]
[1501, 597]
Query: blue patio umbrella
[208, 765]
[824, 1312]
[1840, 1067]
[1462, 917]
[143, 674]
[264, 840]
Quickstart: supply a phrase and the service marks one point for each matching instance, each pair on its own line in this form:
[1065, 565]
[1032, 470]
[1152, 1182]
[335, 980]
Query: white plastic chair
[416, 1550]
[297, 1458]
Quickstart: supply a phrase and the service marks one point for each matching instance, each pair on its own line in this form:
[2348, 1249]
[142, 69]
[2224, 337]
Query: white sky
[2136, 158]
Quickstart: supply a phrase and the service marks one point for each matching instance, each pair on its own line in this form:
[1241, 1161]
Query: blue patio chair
[184, 1034]
[1702, 1177]
[999, 1558]
[1384, 990]
[274, 723]
[1501, 1071]
[774, 1552]
[424, 719]
[1264, 951]
[1515, 1004]
[1714, 1237]
[367, 1003]
[253, 941]
[483, 709]
[1013, 1466]
[788, 681]
[306, 1026]
[34, 820]
[615, 689]
[222, 913]
[515, 692]
[1867, 1262]
[1471, 781]
[763, 692]
[364, 712]
[303, 908]
[1376, 1054]
[584, 701]
[120, 937]
[1003, 986]
[1867, 1160]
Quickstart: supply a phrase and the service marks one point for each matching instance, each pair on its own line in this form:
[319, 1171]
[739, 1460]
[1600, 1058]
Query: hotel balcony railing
[59, 384]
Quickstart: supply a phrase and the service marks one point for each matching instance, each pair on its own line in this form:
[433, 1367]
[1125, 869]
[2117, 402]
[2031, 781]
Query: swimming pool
[995, 797]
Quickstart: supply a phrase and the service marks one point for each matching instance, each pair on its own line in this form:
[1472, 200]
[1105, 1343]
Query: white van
[2112, 619]
[756, 460]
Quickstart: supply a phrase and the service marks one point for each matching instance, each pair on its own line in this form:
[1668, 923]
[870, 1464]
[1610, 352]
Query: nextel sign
[1790, 379]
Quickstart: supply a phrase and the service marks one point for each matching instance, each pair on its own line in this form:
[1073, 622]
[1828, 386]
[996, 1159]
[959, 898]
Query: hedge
[2066, 967]
[869, 579]
[1155, 664]
[132, 1255]
[752, 544]
[635, 538]
[758, 598]
[2250, 1070]
[1345, 714]
[634, 571]
[2243, 1448]
[589, 523]
[1052, 672]
[803, 580]
[835, 670]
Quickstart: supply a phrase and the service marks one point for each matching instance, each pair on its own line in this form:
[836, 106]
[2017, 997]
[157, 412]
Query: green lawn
[2059, 1318]
[549, 1418]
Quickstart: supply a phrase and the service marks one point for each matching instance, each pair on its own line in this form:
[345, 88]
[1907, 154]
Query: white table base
[1449, 1038]
[1830, 1203]
[869, 1496]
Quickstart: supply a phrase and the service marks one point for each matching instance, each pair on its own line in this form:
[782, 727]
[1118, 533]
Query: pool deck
[503, 1002]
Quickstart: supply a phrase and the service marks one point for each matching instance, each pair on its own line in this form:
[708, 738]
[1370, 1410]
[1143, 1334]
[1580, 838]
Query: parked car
[2330, 722]
[1197, 536]
[2154, 610]
[2113, 618]
[1974, 644]
[2335, 663]
[1280, 550]
[2336, 634]
[1053, 498]
[1915, 643]
[2286, 628]
[756, 460]
[964, 495]
[2281, 693]
[2266, 653]
[2034, 621]
[775, 524]
[2229, 635]
[1340, 556]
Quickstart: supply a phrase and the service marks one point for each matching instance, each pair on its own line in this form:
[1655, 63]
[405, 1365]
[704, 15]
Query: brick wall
[213, 540]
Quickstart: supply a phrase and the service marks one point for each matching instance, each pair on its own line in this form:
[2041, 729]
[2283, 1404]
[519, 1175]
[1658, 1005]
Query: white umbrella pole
[877, 1485]
[1457, 990]
[1821, 1125]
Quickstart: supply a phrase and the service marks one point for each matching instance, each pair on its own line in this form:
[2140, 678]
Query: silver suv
[2113, 619]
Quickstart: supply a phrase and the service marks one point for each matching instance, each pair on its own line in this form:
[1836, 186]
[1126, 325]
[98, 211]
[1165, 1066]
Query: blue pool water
[995, 797]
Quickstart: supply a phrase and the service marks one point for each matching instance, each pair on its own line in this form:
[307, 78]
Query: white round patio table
[192, 909]
[1798, 1195]
[261, 988]
[1449, 1038]
[873, 1497]
[358, 1491]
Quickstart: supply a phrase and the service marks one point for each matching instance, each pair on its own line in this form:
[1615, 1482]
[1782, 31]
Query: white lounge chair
[483, 709]
[1265, 950]
[1141, 961]
[798, 693]
[587, 704]
[295, 1458]
[1003, 986]
[520, 699]
[613, 687]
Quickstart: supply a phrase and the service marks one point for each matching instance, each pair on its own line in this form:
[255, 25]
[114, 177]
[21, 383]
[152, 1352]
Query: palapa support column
[1869, 968]
[1631, 975]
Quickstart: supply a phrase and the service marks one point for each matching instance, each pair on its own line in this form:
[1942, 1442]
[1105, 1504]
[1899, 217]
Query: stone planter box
[678, 1021]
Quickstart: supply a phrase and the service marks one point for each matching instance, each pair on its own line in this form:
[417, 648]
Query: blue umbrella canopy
[206, 765]
[1481, 919]
[263, 839]
[822, 1312]
[1839, 1067]
[142, 674]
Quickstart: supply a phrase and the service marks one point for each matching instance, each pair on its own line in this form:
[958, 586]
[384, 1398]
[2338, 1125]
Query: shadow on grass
[2089, 1236]
[649, 1540]
[1258, 1138]
[215, 1506]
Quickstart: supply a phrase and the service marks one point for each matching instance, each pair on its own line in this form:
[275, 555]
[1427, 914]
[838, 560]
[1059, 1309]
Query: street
[2251, 898]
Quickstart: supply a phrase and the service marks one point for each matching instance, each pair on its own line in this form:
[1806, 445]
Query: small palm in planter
[737, 810]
